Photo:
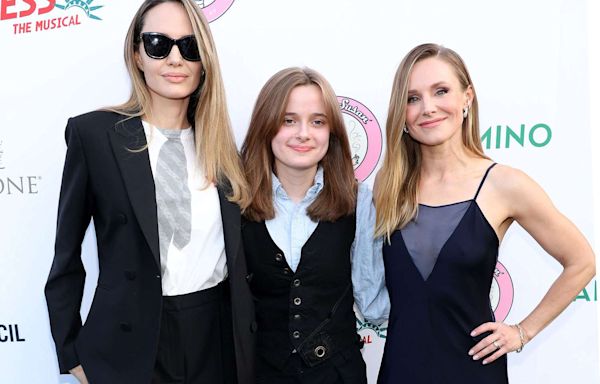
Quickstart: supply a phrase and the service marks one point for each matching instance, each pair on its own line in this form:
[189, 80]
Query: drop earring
[405, 129]
[466, 112]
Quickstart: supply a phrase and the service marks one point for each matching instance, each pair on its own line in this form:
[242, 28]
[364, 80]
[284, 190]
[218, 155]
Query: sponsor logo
[86, 6]
[16, 185]
[504, 136]
[364, 134]
[589, 293]
[20, 13]
[213, 9]
[501, 292]
[363, 325]
[9, 333]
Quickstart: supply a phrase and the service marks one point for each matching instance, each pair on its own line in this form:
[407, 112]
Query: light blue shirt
[291, 228]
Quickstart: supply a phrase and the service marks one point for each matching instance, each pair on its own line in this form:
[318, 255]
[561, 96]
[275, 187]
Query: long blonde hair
[207, 110]
[398, 179]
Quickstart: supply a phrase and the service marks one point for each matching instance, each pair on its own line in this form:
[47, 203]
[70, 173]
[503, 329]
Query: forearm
[368, 274]
[562, 292]
[64, 292]
[368, 280]
[64, 288]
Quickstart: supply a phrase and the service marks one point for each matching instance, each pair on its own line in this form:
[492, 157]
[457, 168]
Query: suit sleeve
[64, 288]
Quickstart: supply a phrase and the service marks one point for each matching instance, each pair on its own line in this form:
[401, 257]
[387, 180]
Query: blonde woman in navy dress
[444, 208]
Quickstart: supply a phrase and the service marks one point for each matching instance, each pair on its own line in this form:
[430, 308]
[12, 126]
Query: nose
[428, 105]
[174, 57]
[302, 132]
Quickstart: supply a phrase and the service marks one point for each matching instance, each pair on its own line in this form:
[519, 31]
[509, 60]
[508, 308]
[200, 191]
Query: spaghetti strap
[483, 180]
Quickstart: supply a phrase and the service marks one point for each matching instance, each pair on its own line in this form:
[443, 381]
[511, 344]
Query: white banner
[530, 66]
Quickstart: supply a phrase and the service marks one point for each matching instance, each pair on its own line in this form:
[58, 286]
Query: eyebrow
[435, 85]
[312, 114]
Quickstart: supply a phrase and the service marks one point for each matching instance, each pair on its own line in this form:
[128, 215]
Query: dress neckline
[445, 205]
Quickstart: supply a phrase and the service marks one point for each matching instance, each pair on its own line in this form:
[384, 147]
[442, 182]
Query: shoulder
[364, 202]
[97, 117]
[364, 193]
[93, 126]
[509, 180]
[95, 121]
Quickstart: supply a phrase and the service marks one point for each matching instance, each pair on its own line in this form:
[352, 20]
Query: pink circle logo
[501, 292]
[213, 9]
[364, 134]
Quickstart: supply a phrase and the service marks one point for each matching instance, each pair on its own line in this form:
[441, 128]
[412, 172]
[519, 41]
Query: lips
[175, 77]
[300, 148]
[432, 123]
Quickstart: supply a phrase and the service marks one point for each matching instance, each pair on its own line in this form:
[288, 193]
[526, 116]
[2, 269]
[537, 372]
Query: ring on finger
[496, 344]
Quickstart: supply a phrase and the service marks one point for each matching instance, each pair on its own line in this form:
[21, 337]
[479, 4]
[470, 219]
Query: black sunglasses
[158, 46]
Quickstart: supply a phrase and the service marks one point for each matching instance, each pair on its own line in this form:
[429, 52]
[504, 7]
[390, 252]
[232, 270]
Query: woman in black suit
[161, 178]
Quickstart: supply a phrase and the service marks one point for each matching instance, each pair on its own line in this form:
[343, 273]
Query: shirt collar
[312, 192]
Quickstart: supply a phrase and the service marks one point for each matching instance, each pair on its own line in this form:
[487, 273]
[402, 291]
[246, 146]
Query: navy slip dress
[439, 270]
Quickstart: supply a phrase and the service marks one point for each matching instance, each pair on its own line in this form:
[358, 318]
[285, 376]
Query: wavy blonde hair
[397, 182]
[207, 110]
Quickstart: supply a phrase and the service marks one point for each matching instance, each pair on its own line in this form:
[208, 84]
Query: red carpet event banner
[530, 67]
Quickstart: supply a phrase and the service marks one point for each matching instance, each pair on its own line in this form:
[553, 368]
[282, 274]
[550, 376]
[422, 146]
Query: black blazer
[106, 179]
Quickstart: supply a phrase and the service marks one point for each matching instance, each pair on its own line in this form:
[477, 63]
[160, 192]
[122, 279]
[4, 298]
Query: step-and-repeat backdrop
[528, 59]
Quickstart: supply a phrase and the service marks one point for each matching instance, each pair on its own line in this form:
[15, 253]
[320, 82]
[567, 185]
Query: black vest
[309, 312]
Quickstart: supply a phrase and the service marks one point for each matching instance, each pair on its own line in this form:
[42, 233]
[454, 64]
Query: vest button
[297, 316]
[297, 301]
[125, 327]
[296, 283]
[286, 271]
[278, 257]
[320, 351]
[296, 334]
[121, 218]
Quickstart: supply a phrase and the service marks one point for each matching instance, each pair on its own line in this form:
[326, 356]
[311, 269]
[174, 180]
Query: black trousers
[196, 339]
[345, 367]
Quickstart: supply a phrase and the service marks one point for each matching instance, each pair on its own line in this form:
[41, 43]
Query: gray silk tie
[173, 198]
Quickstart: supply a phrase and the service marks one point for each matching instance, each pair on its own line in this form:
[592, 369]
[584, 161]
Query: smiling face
[171, 78]
[435, 103]
[303, 137]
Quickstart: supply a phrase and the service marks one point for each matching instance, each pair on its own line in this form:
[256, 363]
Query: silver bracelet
[521, 336]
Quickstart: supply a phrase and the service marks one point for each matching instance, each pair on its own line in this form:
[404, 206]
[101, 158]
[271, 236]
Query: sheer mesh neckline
[445, 205]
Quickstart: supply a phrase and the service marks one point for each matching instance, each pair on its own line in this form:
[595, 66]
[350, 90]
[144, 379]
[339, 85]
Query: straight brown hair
[338, 196]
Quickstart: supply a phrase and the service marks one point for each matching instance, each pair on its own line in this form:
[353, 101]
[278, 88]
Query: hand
[503, 339]
[79, 374]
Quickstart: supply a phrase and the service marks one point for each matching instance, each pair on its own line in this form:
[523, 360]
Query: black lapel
[230, 215]
[126, 138]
